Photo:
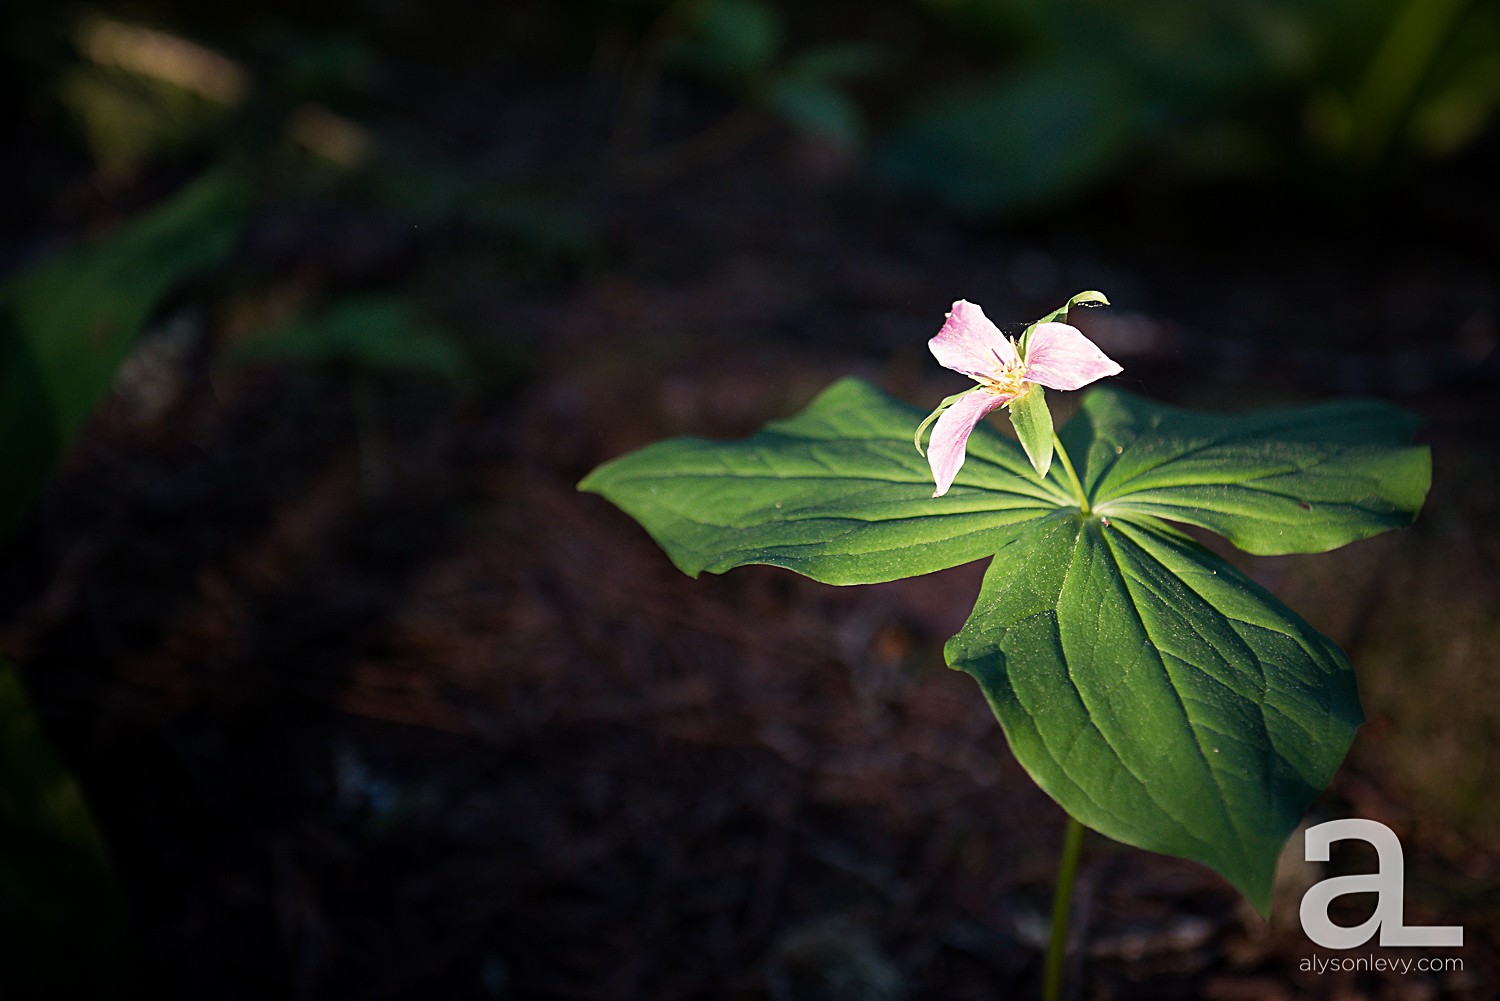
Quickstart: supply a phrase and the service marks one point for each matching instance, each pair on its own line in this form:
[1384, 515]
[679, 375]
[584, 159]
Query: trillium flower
[1055, 355]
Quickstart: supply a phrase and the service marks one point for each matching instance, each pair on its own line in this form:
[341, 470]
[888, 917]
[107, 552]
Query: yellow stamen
[1007, 379]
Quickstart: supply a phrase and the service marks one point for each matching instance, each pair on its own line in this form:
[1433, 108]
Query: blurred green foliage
[992, 106]
[998, 107]
[369, 333]
[538, 235]
[65, 326]
[742, 46]
[1068, 94]
[68, 322]
[745, 49]
[734, 41]
[812, 92]
[1017, 143]
[61, 919]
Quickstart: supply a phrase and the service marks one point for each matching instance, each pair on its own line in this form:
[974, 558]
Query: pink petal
[971, 344]
[1059, 357]
[950, 435]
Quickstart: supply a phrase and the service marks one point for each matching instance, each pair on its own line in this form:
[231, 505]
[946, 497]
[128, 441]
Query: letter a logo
[1388, 884]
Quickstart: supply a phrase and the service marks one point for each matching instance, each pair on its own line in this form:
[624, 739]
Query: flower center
[1007, 379]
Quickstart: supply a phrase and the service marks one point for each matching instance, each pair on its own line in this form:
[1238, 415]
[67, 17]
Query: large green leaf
[1159, 695]
[837, 493]
[1295, 480]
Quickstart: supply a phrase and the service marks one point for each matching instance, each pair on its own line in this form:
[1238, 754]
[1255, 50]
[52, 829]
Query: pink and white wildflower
[1058, 356]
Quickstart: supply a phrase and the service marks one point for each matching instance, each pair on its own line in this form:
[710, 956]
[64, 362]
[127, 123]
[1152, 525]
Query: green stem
[1062, 903]
[1062, 454]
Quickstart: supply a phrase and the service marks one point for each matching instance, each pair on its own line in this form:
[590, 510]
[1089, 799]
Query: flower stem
[1062, 903]
[1062, 455]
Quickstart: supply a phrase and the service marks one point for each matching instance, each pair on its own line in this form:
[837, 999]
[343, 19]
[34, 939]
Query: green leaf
[68, 322]
[836, 493]
[1157, 694]
[1033, 424]
[1294, 480]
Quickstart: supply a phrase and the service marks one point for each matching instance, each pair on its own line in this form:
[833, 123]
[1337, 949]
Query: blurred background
[320, 679]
